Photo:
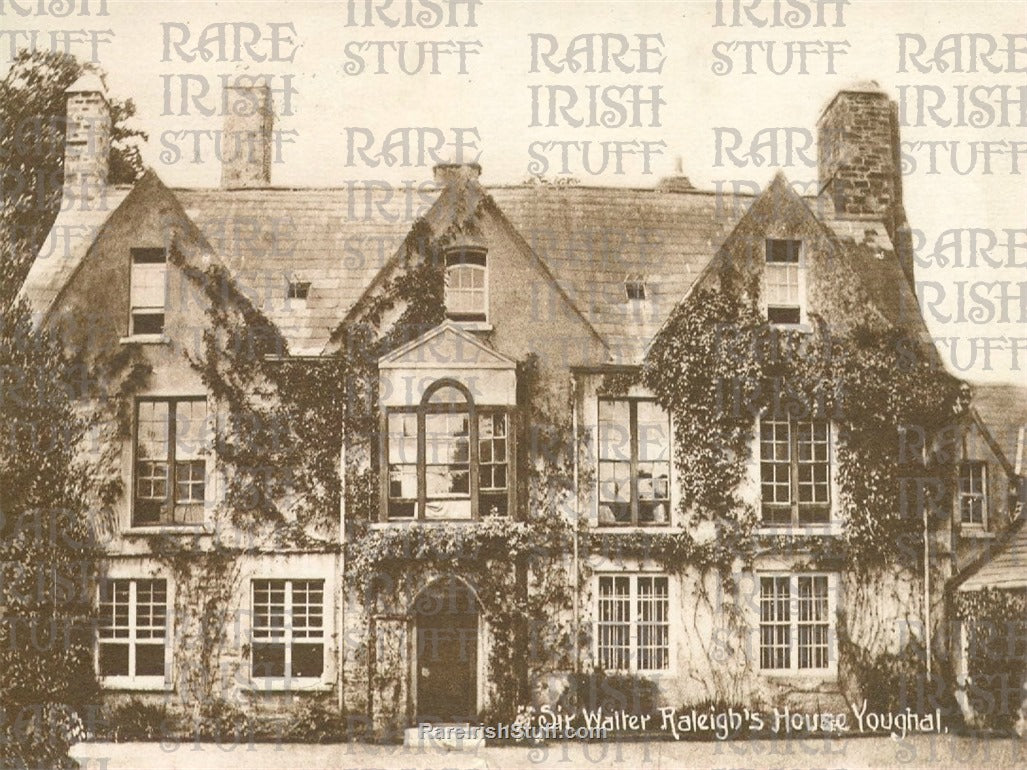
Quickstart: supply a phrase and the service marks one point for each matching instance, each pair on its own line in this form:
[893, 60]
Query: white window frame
[982, 495]
[793, 669]
[633, 621]
[452, 291]
[833, 524]
[133, 681]
[800, 269]
[288, 681]
[136, 271]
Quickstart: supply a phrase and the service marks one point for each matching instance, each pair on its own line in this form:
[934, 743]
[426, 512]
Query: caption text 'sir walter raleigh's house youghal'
[444, 452]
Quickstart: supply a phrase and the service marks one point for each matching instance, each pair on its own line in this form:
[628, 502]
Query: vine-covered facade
[449, 454]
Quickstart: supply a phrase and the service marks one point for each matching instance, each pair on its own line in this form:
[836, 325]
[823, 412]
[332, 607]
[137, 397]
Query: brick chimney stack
[859, 163]
[87, 142]
[246, 142]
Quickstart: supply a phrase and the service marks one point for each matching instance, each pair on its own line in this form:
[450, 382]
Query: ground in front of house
[933, 751]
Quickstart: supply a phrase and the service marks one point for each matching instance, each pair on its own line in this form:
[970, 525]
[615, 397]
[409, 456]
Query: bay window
[447, 458]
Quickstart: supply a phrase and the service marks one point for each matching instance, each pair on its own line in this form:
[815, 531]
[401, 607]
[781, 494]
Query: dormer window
[635, 288]
[148, 290]
[784, 289]
[466, 284]
[298, 290]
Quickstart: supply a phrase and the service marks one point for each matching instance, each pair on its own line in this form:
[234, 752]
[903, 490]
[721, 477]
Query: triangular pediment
[445, 346]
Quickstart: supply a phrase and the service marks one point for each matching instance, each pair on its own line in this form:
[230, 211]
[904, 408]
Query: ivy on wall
[995, 623]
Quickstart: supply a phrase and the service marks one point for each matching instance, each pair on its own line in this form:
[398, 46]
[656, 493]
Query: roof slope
[70, 239]
[1005, 567]
[336, 239]
[594, 239]
[1003, 409]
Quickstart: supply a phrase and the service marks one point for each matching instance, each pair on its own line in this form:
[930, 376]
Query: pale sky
[494, 97]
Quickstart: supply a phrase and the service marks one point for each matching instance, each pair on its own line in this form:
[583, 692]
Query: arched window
[466, 284]
[447, 458]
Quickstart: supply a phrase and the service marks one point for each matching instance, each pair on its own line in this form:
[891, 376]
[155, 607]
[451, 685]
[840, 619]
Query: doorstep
[450, 736]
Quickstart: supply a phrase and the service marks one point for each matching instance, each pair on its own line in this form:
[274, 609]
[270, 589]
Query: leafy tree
[46, 556]
[32, 123]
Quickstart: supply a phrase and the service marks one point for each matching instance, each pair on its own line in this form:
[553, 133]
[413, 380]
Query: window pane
[190, 429]
[190, 478]
[148, 285]
[114, 660]
[653, 624]
[114, 599]
[152, 431]
[307, 660]
[653, 432]
[150, 660]
[465, 290]
[614, 623]
[151, 609]
[268, 660]
[307, 608]
[775, 623]
[614, 492]
[268, 609]
[614, 430]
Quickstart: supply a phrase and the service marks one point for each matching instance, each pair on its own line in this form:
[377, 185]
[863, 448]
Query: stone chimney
[678, 182]
[246, 142]
[87, 142]
[859, 163]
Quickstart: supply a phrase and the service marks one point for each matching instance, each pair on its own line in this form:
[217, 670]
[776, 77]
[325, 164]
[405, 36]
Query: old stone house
[494, 498]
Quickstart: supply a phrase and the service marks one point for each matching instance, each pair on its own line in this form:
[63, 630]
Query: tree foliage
[32, 127]
[46, 556]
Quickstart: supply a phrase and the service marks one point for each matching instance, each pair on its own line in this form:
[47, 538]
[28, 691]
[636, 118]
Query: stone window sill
[279, 686]
[145, 339]
[168, 529]
[137, 684]
[976, 533]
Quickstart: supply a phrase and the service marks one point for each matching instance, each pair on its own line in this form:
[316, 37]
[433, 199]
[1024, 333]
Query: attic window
[467, 284]
[635, 288]
[148, 290]
[784, 290]
[298, 289]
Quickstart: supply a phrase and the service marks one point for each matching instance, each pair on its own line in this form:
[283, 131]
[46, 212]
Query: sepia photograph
[517, 384]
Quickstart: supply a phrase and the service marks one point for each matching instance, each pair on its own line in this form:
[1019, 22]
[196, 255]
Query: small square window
[299, 289]
[635, 289]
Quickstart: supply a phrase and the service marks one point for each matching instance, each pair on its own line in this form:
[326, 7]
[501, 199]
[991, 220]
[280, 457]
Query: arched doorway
[446, 653]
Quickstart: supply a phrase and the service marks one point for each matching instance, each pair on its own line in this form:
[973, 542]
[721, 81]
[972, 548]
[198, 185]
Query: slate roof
[73, 232]
[1003, 409]
[1005, 567]
[593, 239]
[330, 238]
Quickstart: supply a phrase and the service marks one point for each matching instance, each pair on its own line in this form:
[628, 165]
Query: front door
[447, 653]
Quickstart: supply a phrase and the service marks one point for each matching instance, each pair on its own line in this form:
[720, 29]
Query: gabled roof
[336, 239]
[446, 345]
[591, 240]
[69, 240]
[594, 239]
[1002, 567]
[1003, 410]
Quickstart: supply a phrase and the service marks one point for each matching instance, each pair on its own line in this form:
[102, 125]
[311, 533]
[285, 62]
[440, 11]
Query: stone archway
[445, 665]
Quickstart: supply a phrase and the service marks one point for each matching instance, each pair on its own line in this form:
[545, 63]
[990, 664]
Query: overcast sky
[494, 97]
